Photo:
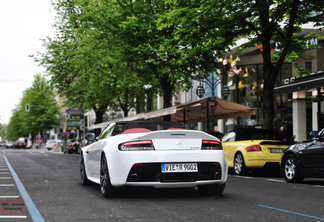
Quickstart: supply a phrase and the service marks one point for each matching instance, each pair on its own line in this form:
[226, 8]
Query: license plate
[275, 150]
[179, 167]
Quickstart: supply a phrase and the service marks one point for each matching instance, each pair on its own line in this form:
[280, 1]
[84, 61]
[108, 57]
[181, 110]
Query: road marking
[281, 181]
[8, 197]
[7, 185]
[5, 178]
[319, 186]
[3, 169]
[13, 216]
[291, 212]
[34, 213]
[4, 172]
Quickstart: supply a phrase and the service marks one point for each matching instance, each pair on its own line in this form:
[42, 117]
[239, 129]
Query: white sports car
[154, 154]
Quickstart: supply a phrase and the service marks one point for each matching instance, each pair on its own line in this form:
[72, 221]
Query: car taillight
[137, 145]
[211, 145]
[253, 148]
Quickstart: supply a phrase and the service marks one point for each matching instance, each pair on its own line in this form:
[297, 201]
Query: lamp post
[213, 83]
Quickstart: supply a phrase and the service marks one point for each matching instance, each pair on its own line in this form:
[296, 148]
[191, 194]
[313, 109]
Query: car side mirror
[90, 137]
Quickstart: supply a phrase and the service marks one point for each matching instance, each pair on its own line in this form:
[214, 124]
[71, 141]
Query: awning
[191, 112]
[128, 118]
[196, 111]
[313, 81]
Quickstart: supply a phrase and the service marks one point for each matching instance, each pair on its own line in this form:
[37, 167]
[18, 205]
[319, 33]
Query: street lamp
[213, 83]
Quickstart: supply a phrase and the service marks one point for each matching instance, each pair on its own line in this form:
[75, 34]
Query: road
[49, 190]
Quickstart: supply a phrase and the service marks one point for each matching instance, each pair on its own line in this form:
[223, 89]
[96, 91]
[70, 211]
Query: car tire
[239, 165]
[212, 189]
[290, 169]
[83, 175]
[107, 190]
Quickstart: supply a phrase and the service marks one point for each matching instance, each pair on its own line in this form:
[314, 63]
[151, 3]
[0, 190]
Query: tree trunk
[100, 111]
[167, 92]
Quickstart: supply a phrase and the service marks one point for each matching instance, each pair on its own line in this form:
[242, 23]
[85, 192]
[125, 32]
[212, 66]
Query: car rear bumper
[149, 174]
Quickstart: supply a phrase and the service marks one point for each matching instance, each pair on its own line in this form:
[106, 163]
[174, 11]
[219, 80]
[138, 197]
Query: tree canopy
[43, 113]
[107, 53]
[260, 22]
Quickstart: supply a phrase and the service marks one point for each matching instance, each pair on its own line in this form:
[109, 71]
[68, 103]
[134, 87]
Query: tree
[43, 114]
[261, 21]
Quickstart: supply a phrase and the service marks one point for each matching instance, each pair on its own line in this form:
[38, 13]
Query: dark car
[20, 144]
[304, 159]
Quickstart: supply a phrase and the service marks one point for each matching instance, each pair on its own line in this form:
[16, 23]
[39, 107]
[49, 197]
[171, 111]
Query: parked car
[250, 148]
[304, 159]
[20, 143]
[9, 144]
[153, 154]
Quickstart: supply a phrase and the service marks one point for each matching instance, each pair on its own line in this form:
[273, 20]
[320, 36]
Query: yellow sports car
[251, 148]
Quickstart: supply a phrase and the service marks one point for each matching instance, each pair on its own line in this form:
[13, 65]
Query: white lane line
[33, 211]
[4, 172]
[7, 185]
[319, 186]
[281, 181]
[13, 216]
[3, 169]
[6, 197]
[5, 178]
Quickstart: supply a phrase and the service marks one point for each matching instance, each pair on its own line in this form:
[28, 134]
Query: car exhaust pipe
[134, 177]
[216, 176]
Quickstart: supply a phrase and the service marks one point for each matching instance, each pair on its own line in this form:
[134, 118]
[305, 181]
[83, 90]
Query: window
[229, 137]
[107, 132]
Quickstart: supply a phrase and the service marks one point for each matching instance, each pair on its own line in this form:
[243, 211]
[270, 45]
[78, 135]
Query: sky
[22, 24]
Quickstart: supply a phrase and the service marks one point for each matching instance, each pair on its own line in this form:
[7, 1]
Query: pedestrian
[283, 133]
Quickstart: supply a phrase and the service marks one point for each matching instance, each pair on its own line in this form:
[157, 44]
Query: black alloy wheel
[83, 175]
[107, 190]
[239, 165]
[212, 189]
[290, 169]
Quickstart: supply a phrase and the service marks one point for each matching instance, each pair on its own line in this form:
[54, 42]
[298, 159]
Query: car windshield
[257, 135]
[153, 126]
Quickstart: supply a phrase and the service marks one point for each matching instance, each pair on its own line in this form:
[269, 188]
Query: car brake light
[253, 148]
[211, 145]
[137, 145]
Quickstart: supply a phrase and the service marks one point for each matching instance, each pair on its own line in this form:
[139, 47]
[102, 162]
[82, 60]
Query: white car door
[94, 152]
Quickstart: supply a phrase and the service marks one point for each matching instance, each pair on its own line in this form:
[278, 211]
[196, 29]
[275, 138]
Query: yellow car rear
[244, 152]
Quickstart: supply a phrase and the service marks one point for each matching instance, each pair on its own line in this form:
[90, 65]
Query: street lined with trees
[120, 55]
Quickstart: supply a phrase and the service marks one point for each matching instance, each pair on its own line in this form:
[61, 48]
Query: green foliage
[205, 26]
[44, 110]
[106, 52]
